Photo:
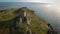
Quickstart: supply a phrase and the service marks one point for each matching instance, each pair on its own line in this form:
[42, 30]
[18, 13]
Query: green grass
[37, 25]
[7, 15]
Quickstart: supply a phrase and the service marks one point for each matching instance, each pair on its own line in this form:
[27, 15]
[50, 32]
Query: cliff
[12, 22]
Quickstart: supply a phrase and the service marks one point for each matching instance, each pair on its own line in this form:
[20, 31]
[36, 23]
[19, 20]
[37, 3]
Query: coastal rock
[19, 18]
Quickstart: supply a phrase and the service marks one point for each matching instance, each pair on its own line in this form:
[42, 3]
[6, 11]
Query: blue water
[40, 10]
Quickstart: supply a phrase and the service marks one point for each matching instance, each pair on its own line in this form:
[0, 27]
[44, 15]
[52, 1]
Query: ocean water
[42, 10]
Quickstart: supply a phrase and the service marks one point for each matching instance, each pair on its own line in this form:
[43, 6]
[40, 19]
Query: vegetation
[37, 25]
[7, 15]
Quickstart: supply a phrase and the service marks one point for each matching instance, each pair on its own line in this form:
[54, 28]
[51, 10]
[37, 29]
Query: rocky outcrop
[24, 21]
[51, 30]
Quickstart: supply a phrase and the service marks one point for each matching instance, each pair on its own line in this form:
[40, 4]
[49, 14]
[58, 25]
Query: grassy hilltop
[37, 25]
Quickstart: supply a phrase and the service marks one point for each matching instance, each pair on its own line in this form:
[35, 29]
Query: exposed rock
[51, 30]
[20, 18]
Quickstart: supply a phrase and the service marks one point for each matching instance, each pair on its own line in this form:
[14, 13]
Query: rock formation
[21, 21]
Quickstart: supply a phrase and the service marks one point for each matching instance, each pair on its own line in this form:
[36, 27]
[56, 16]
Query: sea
[43, 10]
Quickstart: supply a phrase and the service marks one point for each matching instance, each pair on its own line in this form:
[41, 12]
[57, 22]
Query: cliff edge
[21, 21]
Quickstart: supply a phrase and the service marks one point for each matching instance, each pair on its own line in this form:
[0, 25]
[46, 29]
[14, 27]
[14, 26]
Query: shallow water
[41, 10]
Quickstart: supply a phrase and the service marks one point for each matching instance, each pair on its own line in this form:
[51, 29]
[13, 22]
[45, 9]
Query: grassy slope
[37, 25]
[7, 15]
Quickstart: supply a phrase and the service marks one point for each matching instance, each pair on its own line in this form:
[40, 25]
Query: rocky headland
[22, 21]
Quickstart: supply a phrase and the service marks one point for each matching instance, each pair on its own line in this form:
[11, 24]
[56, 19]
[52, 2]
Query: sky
[24, 0]
[44, 1]
[38, 1]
